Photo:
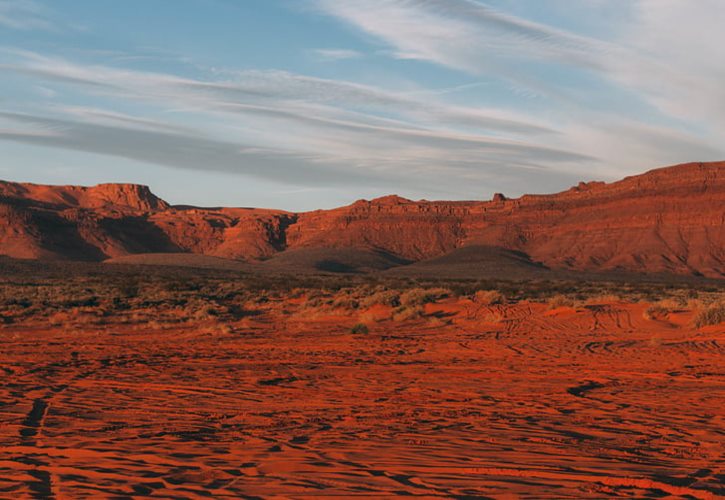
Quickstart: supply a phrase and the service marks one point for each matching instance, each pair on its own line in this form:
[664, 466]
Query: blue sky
[303, 104]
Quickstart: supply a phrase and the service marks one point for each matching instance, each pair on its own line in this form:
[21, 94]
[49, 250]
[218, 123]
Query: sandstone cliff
[666, 220]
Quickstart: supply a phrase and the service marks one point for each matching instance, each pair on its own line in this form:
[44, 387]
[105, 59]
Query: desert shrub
[120, 304]
[655, 310]
[368, 318]
[360, 328]
[714, 314]
[128, 289]
[345, 302]
[661, 308]
[92, 301]
[260, 298]
[182, 286]
[489, 297]
[603, 299]
[695, 304]
[493, 318]
[560, 301]
[669, 304]
[383, 297]
[22, 302]
[404, 313]
[233, 311]
[420, 296]
[314, 302]
[297, 293]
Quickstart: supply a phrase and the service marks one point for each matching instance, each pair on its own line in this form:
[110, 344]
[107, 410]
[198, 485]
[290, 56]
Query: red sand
[518, 402]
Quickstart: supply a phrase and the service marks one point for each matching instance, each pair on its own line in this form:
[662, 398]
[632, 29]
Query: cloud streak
[463, 34]
[646, 94]
[337, 54]
[282, 126]
[23, 15]
[660, 64]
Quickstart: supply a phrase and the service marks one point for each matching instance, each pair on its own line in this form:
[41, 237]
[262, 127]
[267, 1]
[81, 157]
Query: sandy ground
[505, 402]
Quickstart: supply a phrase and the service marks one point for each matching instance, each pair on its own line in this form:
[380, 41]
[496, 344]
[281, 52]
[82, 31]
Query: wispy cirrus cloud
[644, 94]
[337, 54]
[462, 34]
[665, 52]
[24, 15]
[657, 64]
[288, 127]
[271, 87]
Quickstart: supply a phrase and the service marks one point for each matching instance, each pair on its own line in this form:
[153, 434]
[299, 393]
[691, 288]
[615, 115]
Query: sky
[305, 104]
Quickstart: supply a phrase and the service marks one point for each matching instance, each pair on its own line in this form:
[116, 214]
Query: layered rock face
[667, 220]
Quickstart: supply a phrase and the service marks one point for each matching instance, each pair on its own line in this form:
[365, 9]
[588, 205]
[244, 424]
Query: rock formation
[666, 220]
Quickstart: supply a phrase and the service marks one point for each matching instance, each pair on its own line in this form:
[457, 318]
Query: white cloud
[303, 130]
[462, 34]
[23, 15]
[681, 68]
[337, 54]
[286, 127]
[660, 66]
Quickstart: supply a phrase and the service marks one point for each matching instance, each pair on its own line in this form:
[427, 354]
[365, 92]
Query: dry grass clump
[368, 318]
[695, 304]
[382, 297]
[671, 304]
[661, 308]
[493, 318]
[608, 298]
[315, 302]
[360, 328]
[489, 297]
[654, 311]
[405, 313]
[421, 296]
[346, 301]
[714, 314]
[560, 301]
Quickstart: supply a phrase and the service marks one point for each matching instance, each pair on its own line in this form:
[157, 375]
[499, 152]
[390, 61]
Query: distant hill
[669, 220]
[477, 261]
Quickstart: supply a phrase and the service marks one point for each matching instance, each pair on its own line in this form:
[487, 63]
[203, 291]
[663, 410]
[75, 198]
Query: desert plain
[132, 382]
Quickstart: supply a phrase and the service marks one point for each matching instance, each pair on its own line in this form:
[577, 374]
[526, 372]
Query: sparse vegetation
[602, 299]
[360, 328]
[421, 296]
[93, 294]
[489, 297]
[714, 314]
[558, 301]
[382, 297]
[661, 308]
[405, 313]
